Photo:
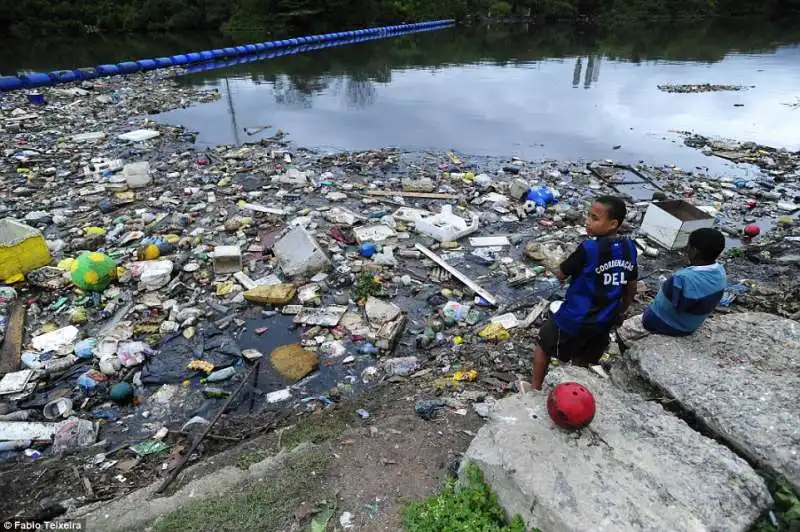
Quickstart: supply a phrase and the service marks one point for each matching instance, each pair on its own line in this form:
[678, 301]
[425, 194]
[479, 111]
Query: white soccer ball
[529, 207]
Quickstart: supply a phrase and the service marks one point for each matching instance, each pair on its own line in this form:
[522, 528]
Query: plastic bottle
[221, 375]
[367, 349]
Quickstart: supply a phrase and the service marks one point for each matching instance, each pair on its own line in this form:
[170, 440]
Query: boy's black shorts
[584, 348]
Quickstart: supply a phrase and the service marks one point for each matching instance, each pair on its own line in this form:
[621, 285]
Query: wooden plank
[458, 275]
[12, 346]
[422, 195]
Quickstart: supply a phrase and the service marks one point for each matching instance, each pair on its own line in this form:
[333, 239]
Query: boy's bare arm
[628, 295]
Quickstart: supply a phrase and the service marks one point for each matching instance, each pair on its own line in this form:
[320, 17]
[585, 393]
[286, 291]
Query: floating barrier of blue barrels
[40, 79]
[147, 64]
[128, 67]
[107, 70]
[10, 83]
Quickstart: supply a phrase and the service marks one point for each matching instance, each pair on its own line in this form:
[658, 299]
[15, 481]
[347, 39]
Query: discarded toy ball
[367, 249]
[571, 405]
[121, 393]
[92, 271]
[751, 230]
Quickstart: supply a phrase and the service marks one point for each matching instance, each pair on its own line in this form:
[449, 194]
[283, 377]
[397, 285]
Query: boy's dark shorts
[584, 348]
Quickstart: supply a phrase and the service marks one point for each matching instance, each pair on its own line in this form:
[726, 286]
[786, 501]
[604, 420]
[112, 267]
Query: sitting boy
[604, 275]
[689, 295]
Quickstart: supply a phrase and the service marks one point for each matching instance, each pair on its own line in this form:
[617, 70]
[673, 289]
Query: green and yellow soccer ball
[93, 271]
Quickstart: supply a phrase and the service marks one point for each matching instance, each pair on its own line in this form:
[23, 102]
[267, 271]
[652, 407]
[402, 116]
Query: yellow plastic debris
[201, 365]
[469, 376]
[494, 332]
[22, 249]
[94, 230]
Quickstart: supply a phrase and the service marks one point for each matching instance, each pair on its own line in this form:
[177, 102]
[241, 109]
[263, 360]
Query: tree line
[33, 18]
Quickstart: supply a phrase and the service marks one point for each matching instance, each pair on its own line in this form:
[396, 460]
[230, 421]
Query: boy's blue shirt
[600, 270]
[687, 298]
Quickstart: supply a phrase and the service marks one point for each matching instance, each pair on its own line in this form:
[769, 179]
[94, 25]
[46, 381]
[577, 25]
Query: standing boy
[687, 298]
[603, 274]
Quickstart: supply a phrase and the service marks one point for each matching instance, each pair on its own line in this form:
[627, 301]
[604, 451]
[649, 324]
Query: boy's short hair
[708, 242]
[615, 206]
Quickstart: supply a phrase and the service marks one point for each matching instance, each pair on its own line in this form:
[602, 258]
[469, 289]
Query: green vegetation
[461, 509]
[265, 506]
[787, 509]
[40, 17]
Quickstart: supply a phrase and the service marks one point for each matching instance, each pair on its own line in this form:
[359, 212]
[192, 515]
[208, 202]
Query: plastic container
[57, 408]
[22, 249]
[137, 175]
[221, 375]
[85, 348]
[35, 98]
[89, 380]
[447, 227]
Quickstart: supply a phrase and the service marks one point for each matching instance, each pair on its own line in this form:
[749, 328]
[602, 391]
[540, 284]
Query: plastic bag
[133, 353]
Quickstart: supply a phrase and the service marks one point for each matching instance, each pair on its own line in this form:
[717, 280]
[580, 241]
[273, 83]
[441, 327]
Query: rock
[740, 376]
[293, 362]
[274, 294]
[636, 467]
[380, 312]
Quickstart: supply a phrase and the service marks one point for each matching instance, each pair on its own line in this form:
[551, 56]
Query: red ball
[751, 230]
[571, 405]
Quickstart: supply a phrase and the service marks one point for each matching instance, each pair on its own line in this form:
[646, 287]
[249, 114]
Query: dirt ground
[399, 458]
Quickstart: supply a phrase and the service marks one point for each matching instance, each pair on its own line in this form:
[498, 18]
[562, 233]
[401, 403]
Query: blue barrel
[36, 79]
[251, 48]
[259, 47]
[64, 76]
[302, 40]
[147, 64]
[206, 55]
[293, 42]
[241, 49]
[163, 62]
[107, 70]
[216, 53]
[179, 59]
[10, 83]
[128, 67]
[230, 52]
[193, 57]
[86, 73]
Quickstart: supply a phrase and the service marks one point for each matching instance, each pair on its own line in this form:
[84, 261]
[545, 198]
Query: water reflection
[592, 71]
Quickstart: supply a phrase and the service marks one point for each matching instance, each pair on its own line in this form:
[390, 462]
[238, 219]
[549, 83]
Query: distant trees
[42, 17]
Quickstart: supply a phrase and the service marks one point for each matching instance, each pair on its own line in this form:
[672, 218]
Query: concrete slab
[740, 376]
[637, 467]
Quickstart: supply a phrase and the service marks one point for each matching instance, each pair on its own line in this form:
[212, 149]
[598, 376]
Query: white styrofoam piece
[373, 233]
[669, 230]
[140, 135]
[298, 253]
[54, 340]
[489, 241]
[409, 214]
[508, 321]
[227, 259]
[446, 226]
[26, 430]
[279, 395]
[15, 381]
